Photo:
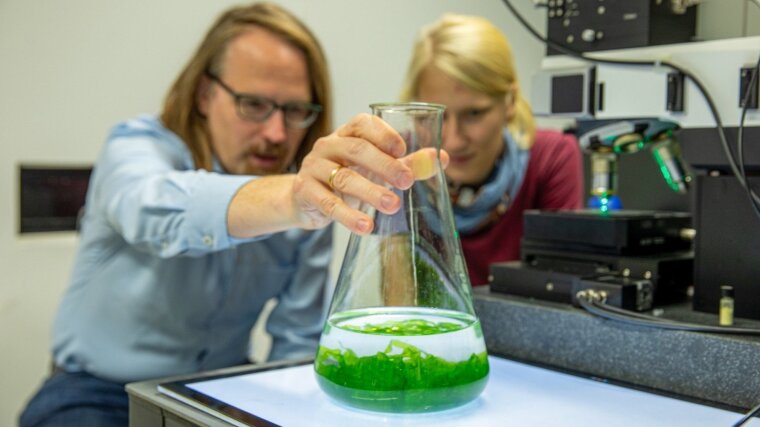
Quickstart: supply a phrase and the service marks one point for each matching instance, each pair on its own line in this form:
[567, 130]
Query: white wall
[69, 69]
[723, 19]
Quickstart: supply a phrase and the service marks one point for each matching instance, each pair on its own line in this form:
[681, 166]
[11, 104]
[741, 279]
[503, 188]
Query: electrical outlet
[674, 92]
[745, 77]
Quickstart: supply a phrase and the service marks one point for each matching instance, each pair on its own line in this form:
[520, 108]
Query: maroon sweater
[553, 180]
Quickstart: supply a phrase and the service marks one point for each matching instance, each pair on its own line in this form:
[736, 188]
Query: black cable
[740, 138]
[595, 306]
[710, 103]
[628, 313]
[752, 412]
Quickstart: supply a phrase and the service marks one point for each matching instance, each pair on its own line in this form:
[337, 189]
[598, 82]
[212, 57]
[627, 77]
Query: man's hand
[350, 166]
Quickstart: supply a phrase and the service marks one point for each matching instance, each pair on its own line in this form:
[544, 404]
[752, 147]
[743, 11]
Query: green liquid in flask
[402, 359]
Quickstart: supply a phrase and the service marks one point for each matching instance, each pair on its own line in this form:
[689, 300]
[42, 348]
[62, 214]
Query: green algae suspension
[402, 359]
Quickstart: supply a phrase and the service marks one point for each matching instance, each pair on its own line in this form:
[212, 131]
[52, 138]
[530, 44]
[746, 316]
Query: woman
[500, 165]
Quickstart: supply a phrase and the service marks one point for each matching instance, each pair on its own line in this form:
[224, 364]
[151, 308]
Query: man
[194, 220]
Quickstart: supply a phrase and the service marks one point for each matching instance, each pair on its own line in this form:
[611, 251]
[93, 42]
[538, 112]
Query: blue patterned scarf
[505, 179]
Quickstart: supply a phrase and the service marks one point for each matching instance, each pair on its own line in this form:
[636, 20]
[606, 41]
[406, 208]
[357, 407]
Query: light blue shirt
[160, 288]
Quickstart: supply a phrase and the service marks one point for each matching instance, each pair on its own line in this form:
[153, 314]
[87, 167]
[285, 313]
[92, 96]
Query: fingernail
[363, 225]
[399, 151]
[387, 201]
[405, 180]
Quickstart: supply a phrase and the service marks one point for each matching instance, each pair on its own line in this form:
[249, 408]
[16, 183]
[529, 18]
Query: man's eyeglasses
[298, 115]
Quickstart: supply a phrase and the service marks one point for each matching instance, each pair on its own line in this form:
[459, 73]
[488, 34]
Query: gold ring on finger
[332, 176]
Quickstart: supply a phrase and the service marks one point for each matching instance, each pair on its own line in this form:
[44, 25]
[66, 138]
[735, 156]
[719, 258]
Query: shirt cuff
[208, 212]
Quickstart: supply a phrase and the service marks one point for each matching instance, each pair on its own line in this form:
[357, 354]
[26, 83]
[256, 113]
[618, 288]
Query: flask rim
[406, 106]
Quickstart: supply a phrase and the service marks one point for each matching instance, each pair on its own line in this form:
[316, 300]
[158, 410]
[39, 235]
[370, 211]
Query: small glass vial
[726, 312]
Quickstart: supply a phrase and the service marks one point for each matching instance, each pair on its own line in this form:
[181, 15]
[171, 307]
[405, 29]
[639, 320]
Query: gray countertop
[722, 369]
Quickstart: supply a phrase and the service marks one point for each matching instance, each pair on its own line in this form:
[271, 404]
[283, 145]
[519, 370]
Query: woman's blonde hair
[180, 113]
[474, 52]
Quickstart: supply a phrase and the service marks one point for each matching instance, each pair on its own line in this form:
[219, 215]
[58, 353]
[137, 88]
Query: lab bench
[555, 342]
[723, 369]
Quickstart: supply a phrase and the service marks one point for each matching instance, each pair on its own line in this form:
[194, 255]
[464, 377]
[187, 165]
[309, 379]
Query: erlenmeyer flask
[401, 333]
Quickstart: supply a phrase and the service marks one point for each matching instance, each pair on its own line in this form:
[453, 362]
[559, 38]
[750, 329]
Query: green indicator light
[604, 207]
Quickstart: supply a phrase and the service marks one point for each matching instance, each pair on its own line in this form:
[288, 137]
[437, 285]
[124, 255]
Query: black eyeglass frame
[314, 109]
